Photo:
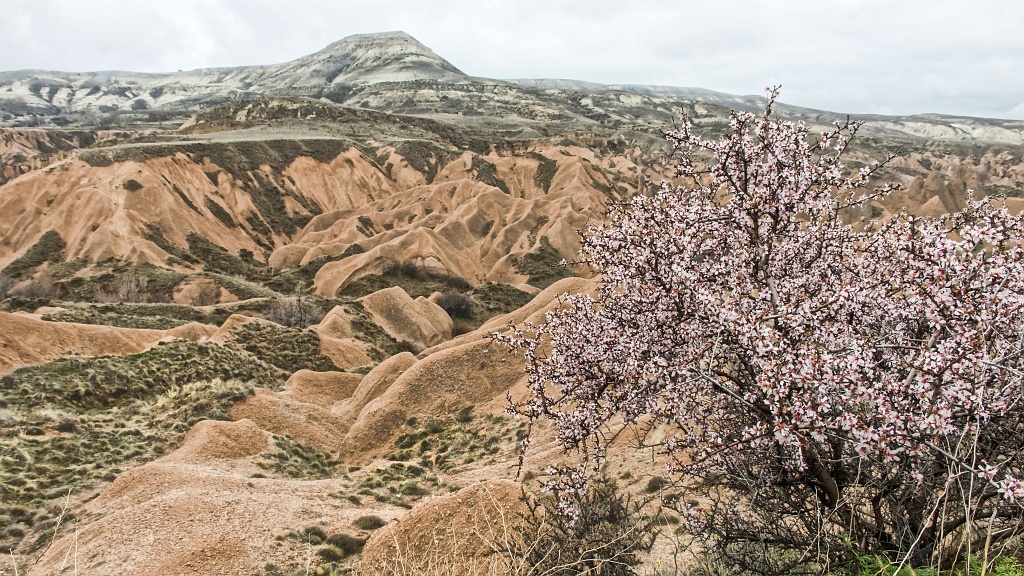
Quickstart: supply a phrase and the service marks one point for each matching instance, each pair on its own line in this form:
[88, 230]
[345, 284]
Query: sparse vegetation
[75, 422]
[487, 173]
[290, 349]
[293, 459]
[543, 266]
[369, 522]
[49, 248]
[412, 278]
[546, 170]
[609, 535]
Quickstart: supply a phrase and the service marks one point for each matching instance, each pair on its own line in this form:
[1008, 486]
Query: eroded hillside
[245, 323]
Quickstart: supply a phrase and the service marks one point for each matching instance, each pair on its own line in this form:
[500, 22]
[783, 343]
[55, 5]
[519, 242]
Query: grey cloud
[871, 56]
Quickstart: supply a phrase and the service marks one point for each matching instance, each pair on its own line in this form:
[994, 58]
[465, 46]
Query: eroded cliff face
[504, 216]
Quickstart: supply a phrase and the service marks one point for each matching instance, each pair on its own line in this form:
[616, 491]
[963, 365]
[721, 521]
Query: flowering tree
[826, 388]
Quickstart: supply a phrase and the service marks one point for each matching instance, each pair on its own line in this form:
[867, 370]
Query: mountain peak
[379, 57]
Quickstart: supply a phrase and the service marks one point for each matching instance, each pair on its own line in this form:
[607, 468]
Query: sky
[963, 57]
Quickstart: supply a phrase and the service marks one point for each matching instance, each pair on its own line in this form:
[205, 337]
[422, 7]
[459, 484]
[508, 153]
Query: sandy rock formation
[419, 323]
[335, 324]
[442, 383]
[216, 440]
[323, 389]
[463, 533]
[373, 385]
[282, 414]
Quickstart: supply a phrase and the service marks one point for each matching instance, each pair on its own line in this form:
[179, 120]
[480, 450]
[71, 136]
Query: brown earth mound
[27, 340]
[374, 384]
[171, 518]
[468, 532]
[216, 440]
[283, 415]
[323, 389]
[442, 383]
[336, 324]
[419, 323]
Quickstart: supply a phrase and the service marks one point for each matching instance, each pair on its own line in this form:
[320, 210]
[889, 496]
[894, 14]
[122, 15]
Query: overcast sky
[860, 56]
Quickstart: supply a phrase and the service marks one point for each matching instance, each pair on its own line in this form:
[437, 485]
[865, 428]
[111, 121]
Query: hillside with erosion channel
[247, 320]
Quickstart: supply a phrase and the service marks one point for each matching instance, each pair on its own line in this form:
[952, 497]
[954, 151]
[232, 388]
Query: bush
[204, 293]
[128, 287]
[456, 304]
[346, 544]
[607, 535]
[369, 522]
[411, 269]
[314, 534]
[298, 311]
[853, 390]
[6, 284]
[331, 554]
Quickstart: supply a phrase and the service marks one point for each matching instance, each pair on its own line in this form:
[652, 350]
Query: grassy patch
[491, 300]
[425, 157]
[73, 423]
[546, 170]
[216, 259]
[401, 484]
[488, 174]
[444, 443]
[413, 280]
[543, 266]
[220, 213]
[49, 248]
[100, 383]
[158, 283]
[289, 349]
[382, 345]
[293, 459]
[61, 451]
[175, 252]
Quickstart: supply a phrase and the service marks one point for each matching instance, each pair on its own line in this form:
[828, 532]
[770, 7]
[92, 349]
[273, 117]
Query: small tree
[830, 390]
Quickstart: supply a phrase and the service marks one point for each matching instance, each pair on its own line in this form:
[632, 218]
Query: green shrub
[49, 248]
[369, 522]
[331, 554]
[346, 544]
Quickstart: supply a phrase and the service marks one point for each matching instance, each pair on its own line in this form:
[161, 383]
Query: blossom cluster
[748, 309]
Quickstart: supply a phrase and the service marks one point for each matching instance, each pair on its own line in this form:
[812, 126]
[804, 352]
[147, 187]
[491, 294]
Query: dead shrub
[602, 531]
[298, 311]
[456, 304]
[205, 293]
[41, 287]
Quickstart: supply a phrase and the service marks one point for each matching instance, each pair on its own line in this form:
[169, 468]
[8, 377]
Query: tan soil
[462, 533]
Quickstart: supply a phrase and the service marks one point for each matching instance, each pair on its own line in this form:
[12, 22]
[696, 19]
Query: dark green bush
[369, 522]
[346, 544]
